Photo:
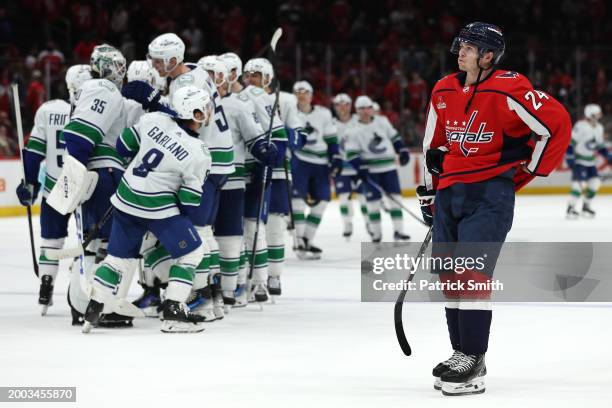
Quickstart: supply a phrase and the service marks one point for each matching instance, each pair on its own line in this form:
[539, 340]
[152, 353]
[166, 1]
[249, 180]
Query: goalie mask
[108, 63]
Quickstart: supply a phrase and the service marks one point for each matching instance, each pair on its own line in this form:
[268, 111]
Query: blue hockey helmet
[487, 37]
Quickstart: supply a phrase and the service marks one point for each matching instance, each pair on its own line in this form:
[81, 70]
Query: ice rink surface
[319, 346]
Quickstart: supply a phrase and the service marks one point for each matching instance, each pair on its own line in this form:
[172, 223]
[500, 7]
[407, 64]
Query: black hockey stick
[291, 226]
[390, 197]
[399, 303]
[15, 92]
[275, 37]
[62, 253]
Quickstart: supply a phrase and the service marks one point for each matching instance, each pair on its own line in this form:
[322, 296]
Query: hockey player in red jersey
[488, 134]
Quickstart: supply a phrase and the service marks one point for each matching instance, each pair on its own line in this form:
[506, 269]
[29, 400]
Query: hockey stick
[291, 226]
[390, 197]
[62, 253]
[399, 303]
[15, 92]
[275, 37]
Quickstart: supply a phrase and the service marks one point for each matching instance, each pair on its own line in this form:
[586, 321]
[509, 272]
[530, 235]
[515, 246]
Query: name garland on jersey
[162, 139]
[462, 135]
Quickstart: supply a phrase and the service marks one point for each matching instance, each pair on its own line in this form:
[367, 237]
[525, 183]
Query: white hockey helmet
[302, 86]
[188, 99]
[217, 66]
[109, 63]
[75, 76]
[165, 47]
[263, 66]
[143, 71]
[376, 106]
[232, 62]
[592, 111]
[363, 101]
[342, 98]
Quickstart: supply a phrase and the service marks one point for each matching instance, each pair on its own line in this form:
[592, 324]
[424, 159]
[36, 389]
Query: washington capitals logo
[374, 144]
[455, 134]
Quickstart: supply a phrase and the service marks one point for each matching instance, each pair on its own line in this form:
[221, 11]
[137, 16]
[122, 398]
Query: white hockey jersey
[343, 127]
[264, 103]
[287, 103]
[46, 138]
[246, 130]
[169, 169]
[373, 142]
[98, 118]
[133, 112]
[320, 130]
[217, 135]
[587, 140]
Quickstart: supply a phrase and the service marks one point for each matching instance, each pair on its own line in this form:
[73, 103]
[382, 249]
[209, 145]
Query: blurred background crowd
[391, 50]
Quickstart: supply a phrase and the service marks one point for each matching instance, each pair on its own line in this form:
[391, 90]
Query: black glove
[404, 156]
[426, 200]
[434, 158]
[336, 165]
[27, 193]
[141, 92]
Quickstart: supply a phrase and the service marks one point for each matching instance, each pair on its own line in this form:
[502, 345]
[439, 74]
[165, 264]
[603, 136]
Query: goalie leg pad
[74, 185]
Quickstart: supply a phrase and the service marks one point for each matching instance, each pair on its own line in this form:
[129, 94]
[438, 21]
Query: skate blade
[43, 310]
[476, 386]
[181, 327]
[273, 299]
[86, 327]
[239, 305]
[437, 384]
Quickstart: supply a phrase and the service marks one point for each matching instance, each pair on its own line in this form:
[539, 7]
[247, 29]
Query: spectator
[193, 37]
[8, 144]
[51, 58]
[36, 93]
[417, 92]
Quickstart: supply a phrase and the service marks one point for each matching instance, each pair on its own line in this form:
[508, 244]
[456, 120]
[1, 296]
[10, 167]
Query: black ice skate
[258, 293]
[400, 236]
[115, 320]
[587, 211]
[200, 302]
[149, 301]
[348, 230]
[466, 377]
[307, 251]
[444, 367]
[45, 294]
[92, 315]
[571, 212]
[178, 318]
[274, 285]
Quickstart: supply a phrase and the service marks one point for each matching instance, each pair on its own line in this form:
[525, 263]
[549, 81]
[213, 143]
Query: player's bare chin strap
[480, 69]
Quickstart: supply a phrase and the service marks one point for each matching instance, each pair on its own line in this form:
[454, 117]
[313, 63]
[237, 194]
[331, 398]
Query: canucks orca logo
[375, 143]
[591, 144]
[309, 130]
[465, 136]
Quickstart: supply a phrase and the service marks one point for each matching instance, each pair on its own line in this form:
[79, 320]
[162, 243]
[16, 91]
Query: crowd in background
[392, 50]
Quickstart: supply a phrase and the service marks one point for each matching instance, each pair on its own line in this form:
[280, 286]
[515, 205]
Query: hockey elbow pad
[434, 160]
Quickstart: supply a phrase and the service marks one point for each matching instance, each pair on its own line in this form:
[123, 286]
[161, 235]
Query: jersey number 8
[149, 162]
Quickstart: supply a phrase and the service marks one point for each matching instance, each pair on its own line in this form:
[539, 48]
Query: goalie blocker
[74, 186]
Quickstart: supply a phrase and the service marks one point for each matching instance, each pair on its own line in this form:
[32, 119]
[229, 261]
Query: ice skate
[92, 315]
[115, 320]
[240, 295]
[306, 251]
[149, 302]
[258, 294]
[587, 211]
[571, 212]
[444, 367]
[45, 294]
[201, 303]
[465, 377]
[400, 236]
[179, 319]
[348, 230]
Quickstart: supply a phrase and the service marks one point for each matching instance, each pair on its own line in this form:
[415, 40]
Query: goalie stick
[399, 303]
[15, 92]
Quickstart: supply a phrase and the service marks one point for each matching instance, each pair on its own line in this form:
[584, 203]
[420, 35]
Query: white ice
[319, 346]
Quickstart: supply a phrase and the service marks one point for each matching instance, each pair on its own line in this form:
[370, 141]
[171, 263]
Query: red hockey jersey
[508, 123]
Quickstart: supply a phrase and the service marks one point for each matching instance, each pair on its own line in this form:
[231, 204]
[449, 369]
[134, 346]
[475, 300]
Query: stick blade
[275, 37]
[399, 328]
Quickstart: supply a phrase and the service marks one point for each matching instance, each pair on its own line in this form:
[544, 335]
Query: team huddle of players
[188, 174]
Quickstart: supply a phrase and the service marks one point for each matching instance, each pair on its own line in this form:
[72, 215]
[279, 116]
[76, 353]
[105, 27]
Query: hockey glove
[571, 161]
[296, 137]
[434, 158]
[336, 164]
[265, 153]
[27, 193]
[141, 92]
[404, 156]
[426, 200]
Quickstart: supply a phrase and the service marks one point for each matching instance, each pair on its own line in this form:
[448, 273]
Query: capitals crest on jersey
[374, 144]
[463, 136]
